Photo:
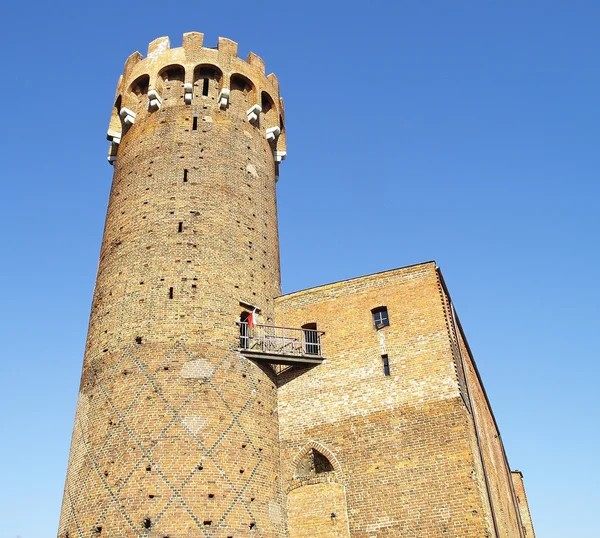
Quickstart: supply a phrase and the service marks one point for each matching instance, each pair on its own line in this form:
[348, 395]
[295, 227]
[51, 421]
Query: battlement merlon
[192, 54]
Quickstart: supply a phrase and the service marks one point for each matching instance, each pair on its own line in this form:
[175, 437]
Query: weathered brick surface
[517, 478]
[405, 443]
[176, 434]
[318, 511]
[495, 466]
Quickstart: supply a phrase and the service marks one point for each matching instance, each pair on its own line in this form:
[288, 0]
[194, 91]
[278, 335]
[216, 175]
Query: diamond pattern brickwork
[159, 462]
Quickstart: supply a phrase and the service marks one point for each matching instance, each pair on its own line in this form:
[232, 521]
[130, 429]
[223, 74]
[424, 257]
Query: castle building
[211, 405]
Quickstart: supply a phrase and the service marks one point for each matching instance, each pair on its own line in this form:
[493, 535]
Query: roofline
[464, 338]
[487, 401]
[355, 278]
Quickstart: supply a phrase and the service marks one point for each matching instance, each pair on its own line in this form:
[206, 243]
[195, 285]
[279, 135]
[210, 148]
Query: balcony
[280, 345]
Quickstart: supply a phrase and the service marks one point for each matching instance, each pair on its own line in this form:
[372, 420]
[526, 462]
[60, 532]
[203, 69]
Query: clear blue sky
[465, 132]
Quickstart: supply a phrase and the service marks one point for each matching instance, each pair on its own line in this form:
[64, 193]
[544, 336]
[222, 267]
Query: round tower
[176, 433]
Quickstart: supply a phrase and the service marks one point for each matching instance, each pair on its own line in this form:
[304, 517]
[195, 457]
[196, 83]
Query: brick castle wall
[404, 443]
[492, 454]
[517, 478]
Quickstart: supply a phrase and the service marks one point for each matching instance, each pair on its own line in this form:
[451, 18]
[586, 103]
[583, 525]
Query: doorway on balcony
[244, 331]
[311, 339]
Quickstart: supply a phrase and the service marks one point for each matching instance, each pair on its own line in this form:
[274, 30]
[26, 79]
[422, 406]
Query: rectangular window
[180, 227]
[205, 87]
[170, 293]
[195, 123]
[380, 317]
[185, 175]
[386, 365]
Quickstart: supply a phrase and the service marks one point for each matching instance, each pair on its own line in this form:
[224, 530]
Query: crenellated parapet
[186, 76]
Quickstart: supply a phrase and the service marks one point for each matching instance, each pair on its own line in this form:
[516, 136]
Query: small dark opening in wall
[180, 227]
[207, 523]
[386, 365]
[151, 496]
[205, 86]
[199, 467]
[252, 525]
[147, 523]
[211, 495]
[185, 175]
[148, 468]
[195, 123]
[138, 339]
[170, 293]
[321, 463]
[98, 530]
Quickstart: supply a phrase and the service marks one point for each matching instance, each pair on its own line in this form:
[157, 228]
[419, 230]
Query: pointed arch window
[312, 464]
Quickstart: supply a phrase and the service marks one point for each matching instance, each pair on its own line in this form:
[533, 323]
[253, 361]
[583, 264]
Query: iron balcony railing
[280, 340]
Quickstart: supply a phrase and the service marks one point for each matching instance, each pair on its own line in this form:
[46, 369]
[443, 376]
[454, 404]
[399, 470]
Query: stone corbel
[273, 133]
[128, 116]
[154, 100]
[253, 113]
[224, 98]
[112, 153]
[188, 93]
[114, 137]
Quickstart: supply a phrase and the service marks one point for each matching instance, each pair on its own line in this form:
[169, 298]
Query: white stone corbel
[128, 116]
[112, 153]
[224, 98]
[113, 136]
[253, 113]
[273, 133]
[280, 156]
[188, 93]
[154, 100]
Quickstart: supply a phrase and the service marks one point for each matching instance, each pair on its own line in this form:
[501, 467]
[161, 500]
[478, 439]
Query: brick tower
[176, 434]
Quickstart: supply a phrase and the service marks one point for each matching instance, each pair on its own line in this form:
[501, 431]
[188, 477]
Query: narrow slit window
[380, 317]
[180, 227]
[386, 365]
[170, 293]
[195, 123]
[185, 175]
[205, 87]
